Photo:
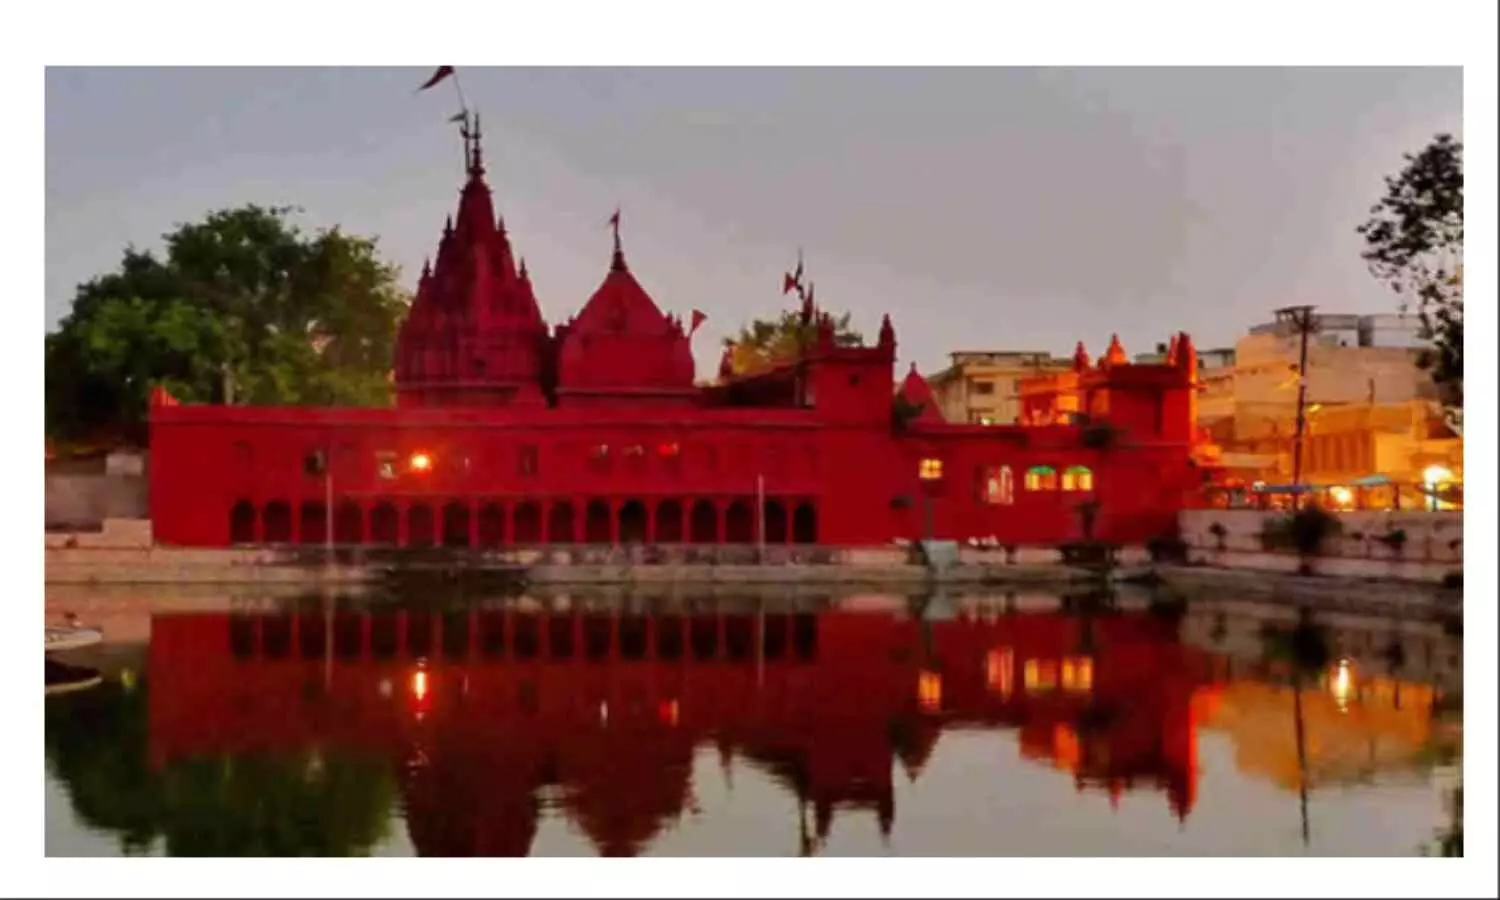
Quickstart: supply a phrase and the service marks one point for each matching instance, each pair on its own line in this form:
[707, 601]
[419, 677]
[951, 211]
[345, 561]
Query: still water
[752, 726]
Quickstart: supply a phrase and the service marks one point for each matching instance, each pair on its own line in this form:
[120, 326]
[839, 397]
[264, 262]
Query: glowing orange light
[669, 712]
[930, 691]
[419, 685]
[421, 462]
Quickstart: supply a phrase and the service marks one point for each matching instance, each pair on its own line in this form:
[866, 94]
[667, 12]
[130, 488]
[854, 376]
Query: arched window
[1041, 478]
[1078, 478]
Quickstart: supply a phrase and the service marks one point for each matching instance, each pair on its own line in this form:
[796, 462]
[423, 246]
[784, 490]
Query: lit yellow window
[999, 671]
[930, 691]
[1041, 478]
[1040, 675]
[930, 469]
[1078, 674]
[1078, 478]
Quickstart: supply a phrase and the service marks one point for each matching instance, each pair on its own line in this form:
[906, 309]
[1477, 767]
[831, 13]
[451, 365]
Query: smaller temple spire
[1115, 355]
[1080, 358]
[524, 275]
[426, 268]
[448, 226]
[887, 331]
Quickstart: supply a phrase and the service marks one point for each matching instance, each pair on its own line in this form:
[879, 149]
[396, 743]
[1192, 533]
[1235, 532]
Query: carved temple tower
[475, 335]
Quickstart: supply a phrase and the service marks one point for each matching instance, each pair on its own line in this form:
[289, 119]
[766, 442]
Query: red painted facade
[507, 432]
[479, 710]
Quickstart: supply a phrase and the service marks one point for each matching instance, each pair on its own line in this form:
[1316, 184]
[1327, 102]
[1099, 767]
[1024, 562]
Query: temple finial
[617, 263]
[476, 153]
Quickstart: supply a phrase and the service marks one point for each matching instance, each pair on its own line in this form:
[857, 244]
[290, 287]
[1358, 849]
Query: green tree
[243, 307]
[766, 343]
[1414, 242]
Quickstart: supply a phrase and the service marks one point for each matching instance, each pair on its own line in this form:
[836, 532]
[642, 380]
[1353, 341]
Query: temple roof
[620, 306]
[915, 390]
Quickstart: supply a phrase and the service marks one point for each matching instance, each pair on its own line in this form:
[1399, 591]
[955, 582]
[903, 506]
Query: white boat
[71, 637]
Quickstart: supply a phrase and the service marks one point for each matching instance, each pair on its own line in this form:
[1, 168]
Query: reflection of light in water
[419, 685]
[668, 712]
[603, 711]
[385, 687]
[1343, 683]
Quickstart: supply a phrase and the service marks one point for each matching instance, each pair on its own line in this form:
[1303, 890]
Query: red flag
[698, 317]
[437, 77]
[459, 117]
[614, 220]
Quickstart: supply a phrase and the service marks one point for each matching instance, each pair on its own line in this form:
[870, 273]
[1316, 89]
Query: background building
[982, 387]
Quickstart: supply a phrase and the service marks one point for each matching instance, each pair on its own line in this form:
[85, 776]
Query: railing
[1393, 496]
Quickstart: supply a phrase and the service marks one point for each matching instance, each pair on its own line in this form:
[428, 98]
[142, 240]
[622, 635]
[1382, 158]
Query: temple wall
[1433, 546]
[86, 501]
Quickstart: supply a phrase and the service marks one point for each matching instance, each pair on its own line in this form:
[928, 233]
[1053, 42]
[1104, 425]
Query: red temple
[480, 710]
[508, 432]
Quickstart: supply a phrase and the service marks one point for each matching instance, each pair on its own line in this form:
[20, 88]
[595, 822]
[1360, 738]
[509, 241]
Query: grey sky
[984, 208]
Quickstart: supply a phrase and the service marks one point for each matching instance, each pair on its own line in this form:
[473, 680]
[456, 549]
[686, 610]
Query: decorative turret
[917, 394]
[887, 339]
[726, 362]
[1187, 356]
[1115, 355]
[1080, 358]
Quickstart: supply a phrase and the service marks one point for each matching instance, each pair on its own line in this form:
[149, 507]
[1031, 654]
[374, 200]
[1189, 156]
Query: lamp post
[1300, 318]
[930, 474]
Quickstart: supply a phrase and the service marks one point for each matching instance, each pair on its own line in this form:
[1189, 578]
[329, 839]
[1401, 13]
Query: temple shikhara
[509, 431]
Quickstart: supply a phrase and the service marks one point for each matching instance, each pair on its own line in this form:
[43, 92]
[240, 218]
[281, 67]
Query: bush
[1304, 531]
[1395, 539]
[1220, 533]
[1088, 553]
[1167, 548]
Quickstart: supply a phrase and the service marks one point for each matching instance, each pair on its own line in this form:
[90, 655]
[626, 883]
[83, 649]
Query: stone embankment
[123, 554]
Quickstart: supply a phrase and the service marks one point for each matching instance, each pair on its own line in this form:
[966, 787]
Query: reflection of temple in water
[487, 712]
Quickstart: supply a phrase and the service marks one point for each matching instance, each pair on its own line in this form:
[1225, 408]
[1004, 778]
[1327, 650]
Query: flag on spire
[460, 117]
[698, 318]
[614, 219]
[793, 279]
[437, 77]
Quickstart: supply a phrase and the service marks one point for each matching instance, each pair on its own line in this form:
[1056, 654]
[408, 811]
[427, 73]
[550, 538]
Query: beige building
[981, 387]
[1370, 409]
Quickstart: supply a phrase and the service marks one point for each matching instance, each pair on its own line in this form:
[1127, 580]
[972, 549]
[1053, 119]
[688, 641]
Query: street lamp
[930, 474]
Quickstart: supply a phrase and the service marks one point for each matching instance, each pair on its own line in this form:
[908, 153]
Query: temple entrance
[278, 522]
[775, 518]
[348, 523]
[419, 526]
[596, 524]
[491, 525]
[385, 524]
[562, 527]
[704, 527]
[633, 521]
[242, 523]
[528, 526]
[456, 524]
[739, 524]
[804, 524]
[669, 522]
